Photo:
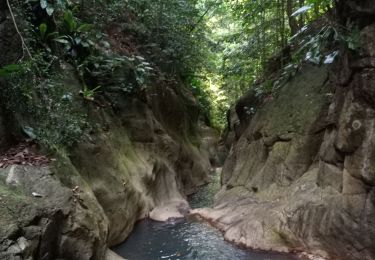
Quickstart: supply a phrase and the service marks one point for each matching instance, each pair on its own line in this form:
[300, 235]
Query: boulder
[43, 219]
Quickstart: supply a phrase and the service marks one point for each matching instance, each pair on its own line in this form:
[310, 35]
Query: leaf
[9, 69]
[353, 40]
[85, 44]
[106, 44]
[50, 10]
[302, 30]
[330, 58]
[43, 4]
[61, 40]
[12, 67]
[96, 88]
[3, 73]
[301, 10]
[313, 57]
[77, 40]
[52, 35]
[43, 30]
[61, 3]
[29, 131]
[69, 21]
[84, 27]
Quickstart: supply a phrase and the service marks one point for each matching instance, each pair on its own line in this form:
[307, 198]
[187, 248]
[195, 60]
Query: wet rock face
[302, 175]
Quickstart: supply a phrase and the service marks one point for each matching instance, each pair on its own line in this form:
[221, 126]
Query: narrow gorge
[144, 130]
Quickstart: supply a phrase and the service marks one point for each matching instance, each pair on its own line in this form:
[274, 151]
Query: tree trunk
[293, 24]
[302, 16]
[283, 37]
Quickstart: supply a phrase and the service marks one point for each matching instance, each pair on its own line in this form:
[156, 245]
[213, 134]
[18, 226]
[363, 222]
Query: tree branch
[202, 17]
[24, 46]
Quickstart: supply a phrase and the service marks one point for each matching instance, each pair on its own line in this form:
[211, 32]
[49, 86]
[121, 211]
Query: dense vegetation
[218, 48]
[107, 49]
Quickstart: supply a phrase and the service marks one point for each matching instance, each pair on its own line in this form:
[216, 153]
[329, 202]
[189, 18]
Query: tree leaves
[69, 21]
[43, 30]
[47, 7]
[43, 4]
[85, 27]
[9, 69]
[301, 10]
[50, 10]
[330, 58]
[61, 40]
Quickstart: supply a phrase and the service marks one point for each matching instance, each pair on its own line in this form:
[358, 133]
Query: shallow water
[184, 239]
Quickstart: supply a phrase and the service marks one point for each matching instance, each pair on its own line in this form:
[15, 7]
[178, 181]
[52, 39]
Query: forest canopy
[217, 48]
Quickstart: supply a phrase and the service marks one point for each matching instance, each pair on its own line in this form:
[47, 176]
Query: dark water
[186, 239]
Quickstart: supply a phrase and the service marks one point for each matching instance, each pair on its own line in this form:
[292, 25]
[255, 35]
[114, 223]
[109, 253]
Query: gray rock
[301, 177]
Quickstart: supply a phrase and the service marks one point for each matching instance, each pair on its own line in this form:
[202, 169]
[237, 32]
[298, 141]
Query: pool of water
[187, 239]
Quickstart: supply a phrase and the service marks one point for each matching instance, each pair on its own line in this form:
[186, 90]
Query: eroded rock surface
[146, 154]
[142, 163]
[301, 176]
[42, 219]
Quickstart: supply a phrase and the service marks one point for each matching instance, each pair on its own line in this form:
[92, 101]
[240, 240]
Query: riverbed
[187, 239]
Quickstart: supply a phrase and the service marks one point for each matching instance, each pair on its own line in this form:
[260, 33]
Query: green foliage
[9, 69]
[176, 40]
[69, 22]
[352, 39]
[49, 110]
[43, 30]
[256, 35]
[212, 101]
[45, 107]
[219, 47]
[47, 7]
[168, 42]
[172, 32]
[201, 92]
[322, 47]
[89, 94]
[88, 50]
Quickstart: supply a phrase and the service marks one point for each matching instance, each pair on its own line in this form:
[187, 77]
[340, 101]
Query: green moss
[12, 201]
[283, 238]
[12, 194]
[298, 104]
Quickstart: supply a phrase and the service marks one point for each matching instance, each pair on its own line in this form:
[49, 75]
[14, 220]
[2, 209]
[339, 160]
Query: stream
[186, 239]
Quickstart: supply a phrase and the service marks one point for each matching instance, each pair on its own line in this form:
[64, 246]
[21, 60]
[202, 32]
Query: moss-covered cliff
[110, 157]
[143, 162]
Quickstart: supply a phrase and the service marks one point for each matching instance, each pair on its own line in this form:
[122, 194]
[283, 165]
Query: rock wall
[136, 166]
[145, 155]
[301, 176]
